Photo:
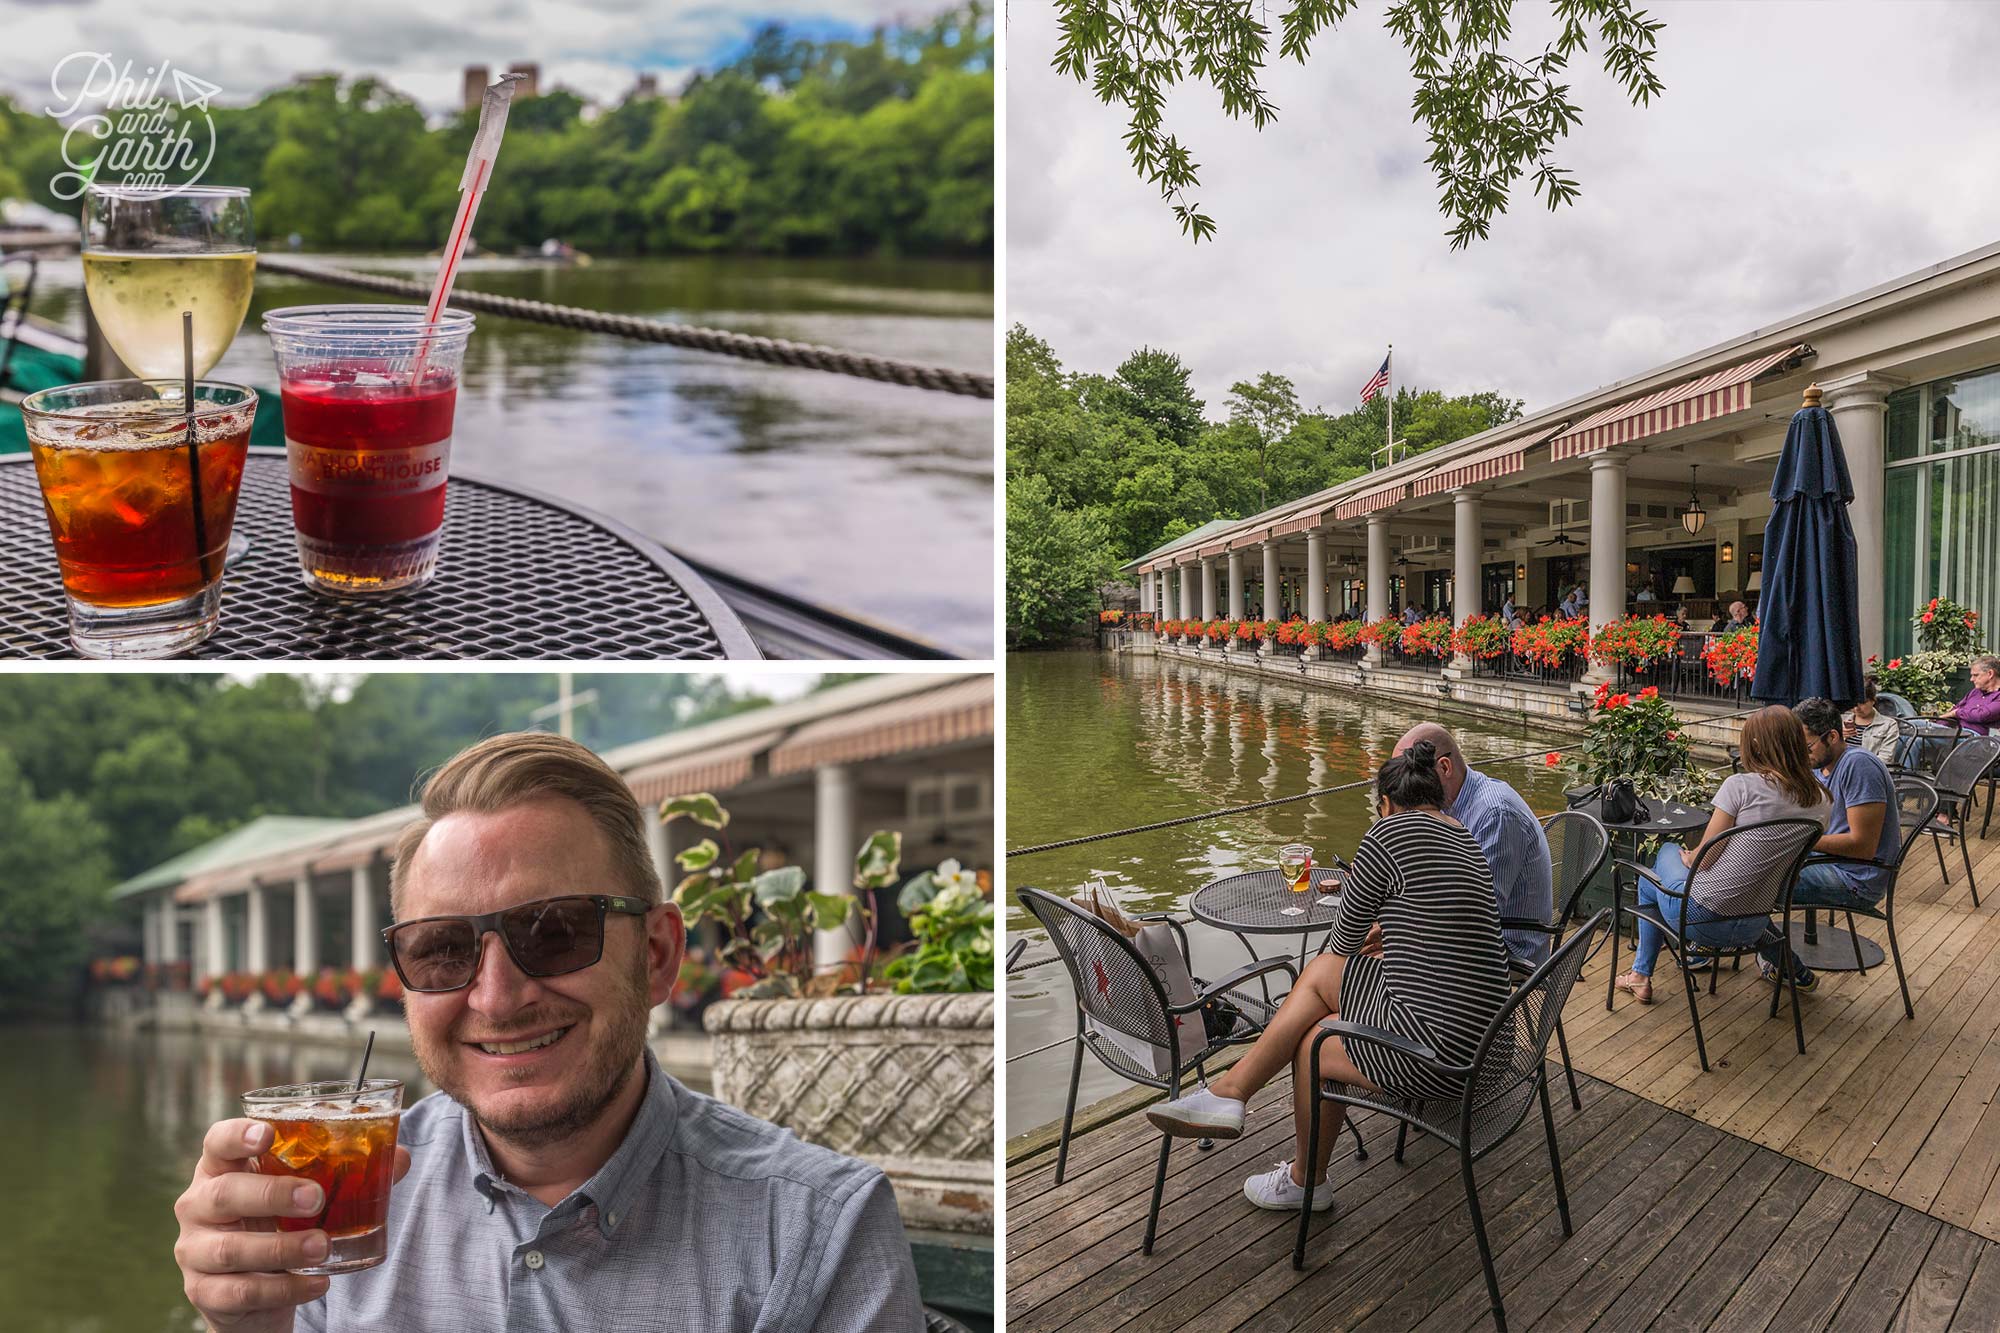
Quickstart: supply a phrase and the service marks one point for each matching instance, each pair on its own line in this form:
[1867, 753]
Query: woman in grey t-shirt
[1777, 783]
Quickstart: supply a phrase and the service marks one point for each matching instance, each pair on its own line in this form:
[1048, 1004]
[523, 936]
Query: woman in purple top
[1979, 710]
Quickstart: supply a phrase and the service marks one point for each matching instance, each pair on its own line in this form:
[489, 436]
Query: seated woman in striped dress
[1415, 949]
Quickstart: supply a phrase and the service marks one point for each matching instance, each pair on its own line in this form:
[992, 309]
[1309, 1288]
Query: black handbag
[1619, 803]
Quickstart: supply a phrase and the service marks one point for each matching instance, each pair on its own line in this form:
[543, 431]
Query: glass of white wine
[148, 255]
[1295, 864]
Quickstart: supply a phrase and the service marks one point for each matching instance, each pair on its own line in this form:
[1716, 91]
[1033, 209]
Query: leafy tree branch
[1491, 117]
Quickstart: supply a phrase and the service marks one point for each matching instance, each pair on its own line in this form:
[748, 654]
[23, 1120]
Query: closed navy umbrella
[1809, 615]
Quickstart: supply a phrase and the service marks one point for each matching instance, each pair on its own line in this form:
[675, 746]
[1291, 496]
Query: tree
[1056, 559]
[1154, 386]
[1268, 408]
[53, 875]
[1491, 117]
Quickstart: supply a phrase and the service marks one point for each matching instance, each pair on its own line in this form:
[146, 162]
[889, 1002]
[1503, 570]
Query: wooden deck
[1678, 1225]
[1855, 1187]
[1904, 1108]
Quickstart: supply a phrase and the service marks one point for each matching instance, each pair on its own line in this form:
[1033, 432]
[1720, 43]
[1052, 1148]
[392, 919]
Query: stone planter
[902, 1081]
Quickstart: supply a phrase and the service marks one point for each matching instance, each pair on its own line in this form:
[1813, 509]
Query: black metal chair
[15, 300]
[1919, 749]
[1578, 848]
[1507, 1074]
[1753, 865]
[1117, 989]
[1957, 779]
[1893, 704]
[1916, 803]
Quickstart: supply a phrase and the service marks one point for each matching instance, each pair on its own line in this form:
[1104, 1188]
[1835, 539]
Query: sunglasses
[545, 938]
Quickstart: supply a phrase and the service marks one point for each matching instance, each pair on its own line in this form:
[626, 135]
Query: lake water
[103, 1128]
[1097, 742]
[871, 499]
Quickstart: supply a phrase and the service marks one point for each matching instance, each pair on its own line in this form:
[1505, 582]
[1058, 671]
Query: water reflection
[819, 484]
[1096, 742]
[102, 1129]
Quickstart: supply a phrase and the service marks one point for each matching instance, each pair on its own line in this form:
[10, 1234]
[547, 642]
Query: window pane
[1903, 439]
[1965, 412]
[1965, 531]
[1899, 522]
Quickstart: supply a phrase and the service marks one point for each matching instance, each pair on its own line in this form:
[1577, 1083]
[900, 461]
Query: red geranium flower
[1650, 692]
[1552, 759]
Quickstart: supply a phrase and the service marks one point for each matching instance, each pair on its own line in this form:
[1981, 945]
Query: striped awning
[1500, 460]
[1368, 503]
[1686, 404]
[1303, 521]
[1212, 550]
[713, 768]
[960, 711]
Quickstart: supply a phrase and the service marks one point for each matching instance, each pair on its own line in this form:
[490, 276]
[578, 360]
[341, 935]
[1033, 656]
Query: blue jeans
[1702, 925]
[1822, 884]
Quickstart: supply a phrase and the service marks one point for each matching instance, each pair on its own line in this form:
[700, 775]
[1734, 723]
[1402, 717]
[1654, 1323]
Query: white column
[1208, 588]
[362, 929]
[215, 944]
[1236, 585]
[1467, 545]
[1607, 545]
[1273, 603]
[170, 928]
[1315, 575]
[1378, 575]
[834, 846]
[257, 933]
[305, 926]
[1858, 404]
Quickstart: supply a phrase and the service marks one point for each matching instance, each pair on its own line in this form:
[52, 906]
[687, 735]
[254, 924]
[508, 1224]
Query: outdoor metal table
[521, 575]
[1667, 819]
[1261, 903]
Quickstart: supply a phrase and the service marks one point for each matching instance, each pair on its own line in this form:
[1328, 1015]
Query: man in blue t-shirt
[1863, 826]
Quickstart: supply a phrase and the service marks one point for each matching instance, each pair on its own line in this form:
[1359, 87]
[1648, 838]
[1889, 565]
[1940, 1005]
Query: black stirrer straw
[193, 450]
[366, 1051]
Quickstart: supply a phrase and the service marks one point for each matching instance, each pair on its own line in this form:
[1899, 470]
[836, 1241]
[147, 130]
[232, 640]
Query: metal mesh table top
[519, 576]
[1261, 903]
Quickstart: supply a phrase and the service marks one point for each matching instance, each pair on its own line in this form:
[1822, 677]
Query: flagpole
[1389, 451]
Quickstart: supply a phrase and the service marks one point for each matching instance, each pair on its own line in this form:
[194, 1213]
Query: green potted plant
[886, 1057]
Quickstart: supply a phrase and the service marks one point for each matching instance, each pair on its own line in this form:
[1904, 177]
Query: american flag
[1376, 382]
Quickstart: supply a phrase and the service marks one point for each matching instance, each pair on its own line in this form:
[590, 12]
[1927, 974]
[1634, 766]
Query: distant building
[529, 85]
[475, 85]
[648, 85]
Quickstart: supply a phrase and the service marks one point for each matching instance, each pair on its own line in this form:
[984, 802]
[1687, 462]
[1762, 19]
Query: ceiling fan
[1562, 538]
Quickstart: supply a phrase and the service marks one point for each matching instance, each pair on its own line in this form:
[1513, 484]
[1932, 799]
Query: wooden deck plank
[1934, 1295]
[1884, 1282]
[1709, 1287]
[1979, 1308]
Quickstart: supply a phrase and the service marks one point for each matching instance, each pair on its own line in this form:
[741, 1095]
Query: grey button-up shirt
[704, 1219]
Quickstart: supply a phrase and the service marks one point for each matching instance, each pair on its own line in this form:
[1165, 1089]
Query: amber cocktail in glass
[344, 1142]
[140, 498]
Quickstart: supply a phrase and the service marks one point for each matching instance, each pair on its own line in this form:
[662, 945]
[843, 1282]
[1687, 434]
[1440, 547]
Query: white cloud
[1801, 151]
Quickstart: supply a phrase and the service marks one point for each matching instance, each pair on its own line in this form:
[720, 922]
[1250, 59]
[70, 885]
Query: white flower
[949, 875]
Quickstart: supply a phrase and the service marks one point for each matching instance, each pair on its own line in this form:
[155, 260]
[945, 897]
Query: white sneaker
[1199, 1115]
[1275, 1189]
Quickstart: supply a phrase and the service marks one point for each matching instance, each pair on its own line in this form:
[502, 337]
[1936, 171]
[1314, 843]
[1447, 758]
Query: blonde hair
[504, 771]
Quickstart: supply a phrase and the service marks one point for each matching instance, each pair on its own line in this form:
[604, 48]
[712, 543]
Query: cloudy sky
[1802, 151]
[249, 46]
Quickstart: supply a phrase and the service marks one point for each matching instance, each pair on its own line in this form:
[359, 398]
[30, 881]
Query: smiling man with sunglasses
[558, 1179]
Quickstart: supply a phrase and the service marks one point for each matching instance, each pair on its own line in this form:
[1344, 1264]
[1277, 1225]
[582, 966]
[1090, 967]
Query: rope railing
[1538, 752]
[774, 351]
